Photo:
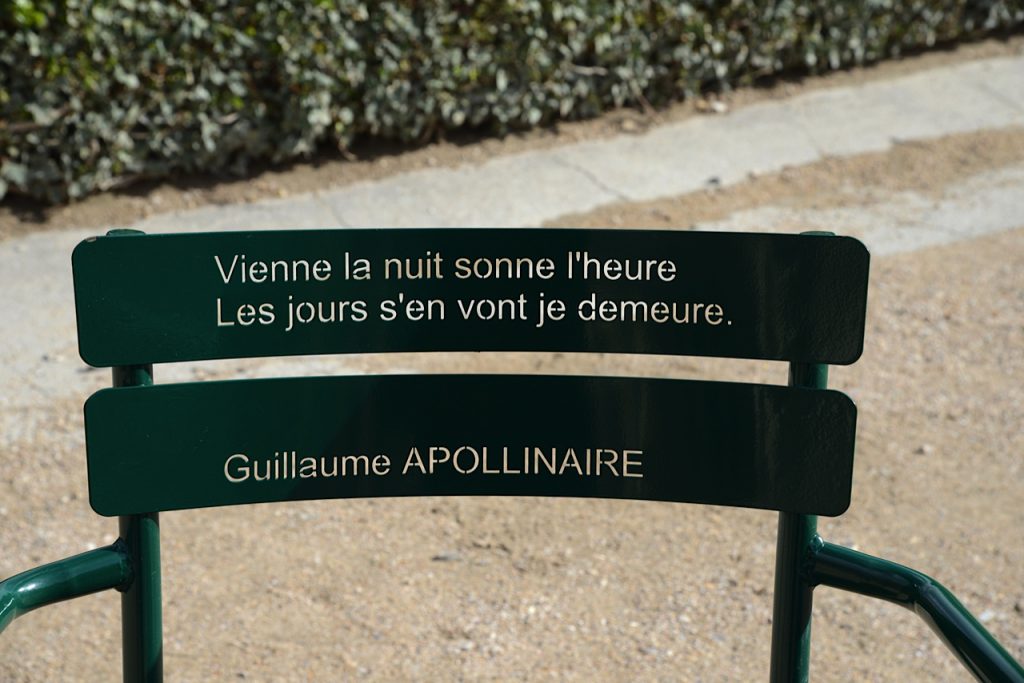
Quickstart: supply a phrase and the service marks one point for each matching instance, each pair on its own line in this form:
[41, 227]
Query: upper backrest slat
[163, 298]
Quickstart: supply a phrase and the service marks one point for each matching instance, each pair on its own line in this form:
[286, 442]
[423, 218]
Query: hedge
[96, 94]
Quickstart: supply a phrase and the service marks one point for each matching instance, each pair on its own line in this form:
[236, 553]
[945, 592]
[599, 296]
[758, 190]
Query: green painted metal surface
[221, 443]
[72, 577]
[793, 597]
[160, 298]
[142, 653]
[973, 645]
[141, 600]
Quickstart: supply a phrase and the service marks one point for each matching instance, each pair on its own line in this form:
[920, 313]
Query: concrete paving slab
[1001, 79]
[514, 191]
[309, 211]
[42, 358]
[844, 122]
[693, 154]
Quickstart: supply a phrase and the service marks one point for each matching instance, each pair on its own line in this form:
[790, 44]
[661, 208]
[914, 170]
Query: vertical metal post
[141, 610]
[141, 613]
[791, 617]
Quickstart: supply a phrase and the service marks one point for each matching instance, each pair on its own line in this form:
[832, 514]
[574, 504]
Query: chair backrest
[151, 299]
[145, 299]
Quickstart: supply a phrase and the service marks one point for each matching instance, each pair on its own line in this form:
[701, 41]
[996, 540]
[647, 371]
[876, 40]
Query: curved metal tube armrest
[72, 577]
[974, 646]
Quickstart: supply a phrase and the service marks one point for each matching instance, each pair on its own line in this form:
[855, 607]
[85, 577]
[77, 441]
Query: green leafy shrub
[95, 94]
